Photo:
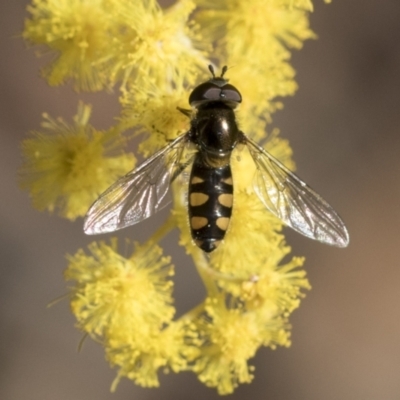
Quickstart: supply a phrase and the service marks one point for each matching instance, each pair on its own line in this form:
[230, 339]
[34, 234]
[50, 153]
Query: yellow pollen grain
[225, 199]
[197, 199]
[198, 222]
[223, 223]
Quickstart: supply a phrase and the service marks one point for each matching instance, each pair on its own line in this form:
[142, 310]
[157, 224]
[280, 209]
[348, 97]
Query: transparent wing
[294, 202]
[140, 193]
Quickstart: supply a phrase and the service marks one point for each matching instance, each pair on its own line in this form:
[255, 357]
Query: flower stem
[201, 261]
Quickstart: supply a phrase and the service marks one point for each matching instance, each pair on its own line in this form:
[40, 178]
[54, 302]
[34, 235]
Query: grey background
[344, 127]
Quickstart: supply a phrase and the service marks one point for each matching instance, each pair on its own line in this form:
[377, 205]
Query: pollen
[112, 292]
[155, 43]
[78, 34]
[67, 166]
[264, 32]
[154, 113]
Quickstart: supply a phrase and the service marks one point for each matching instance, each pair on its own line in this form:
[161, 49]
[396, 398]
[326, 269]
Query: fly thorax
[217, 131]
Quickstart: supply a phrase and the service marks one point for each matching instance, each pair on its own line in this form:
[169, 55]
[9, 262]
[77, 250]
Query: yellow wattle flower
[77, 33]
[230, 337]
[114, 295]
[154, 114]
[255, 38]
[126, 303]
[142, 351]
[157, 57]
[154, 45]
[67, 166]
[98, 43]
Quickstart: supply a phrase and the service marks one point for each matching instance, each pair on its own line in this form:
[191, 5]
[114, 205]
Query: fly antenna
[224, 69]
[211, 68]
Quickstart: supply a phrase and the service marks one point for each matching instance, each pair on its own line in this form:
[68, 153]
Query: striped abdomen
[210, 203]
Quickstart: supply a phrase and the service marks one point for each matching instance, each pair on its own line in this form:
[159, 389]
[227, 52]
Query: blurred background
[344, 127]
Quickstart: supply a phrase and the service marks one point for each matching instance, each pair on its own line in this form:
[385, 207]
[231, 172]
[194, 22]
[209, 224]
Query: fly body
[215, 133]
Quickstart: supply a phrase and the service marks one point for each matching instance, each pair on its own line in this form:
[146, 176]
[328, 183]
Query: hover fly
[214, 133]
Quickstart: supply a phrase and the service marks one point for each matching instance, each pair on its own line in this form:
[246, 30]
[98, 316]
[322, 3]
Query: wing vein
[293, 201]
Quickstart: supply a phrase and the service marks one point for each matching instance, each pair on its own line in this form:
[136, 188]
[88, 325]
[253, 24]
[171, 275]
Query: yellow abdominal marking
[216, 243]
[223, 223]
[197, 179]
[225, 199]
[228, 181]
[197, 199]
[198, 222]
[199, 242]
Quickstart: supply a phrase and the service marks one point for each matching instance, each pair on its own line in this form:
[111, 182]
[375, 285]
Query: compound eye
[212, 93]
[205, 91]
[230, 93]
[218, 90]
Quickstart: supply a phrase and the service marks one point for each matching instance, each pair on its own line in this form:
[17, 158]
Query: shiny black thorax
[215, 132]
